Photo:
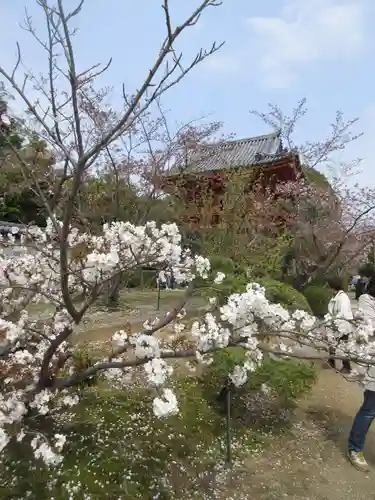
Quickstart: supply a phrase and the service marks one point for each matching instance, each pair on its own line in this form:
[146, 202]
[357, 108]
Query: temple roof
[258, 150]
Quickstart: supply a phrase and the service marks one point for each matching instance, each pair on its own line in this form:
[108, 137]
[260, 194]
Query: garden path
[311, 463]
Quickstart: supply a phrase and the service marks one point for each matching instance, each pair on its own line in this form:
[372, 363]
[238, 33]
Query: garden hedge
[285, 295]
[318, 298]
[288, 380]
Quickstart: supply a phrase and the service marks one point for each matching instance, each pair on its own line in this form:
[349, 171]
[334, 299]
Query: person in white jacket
[366, 414]
[366, 302]
[340, 307]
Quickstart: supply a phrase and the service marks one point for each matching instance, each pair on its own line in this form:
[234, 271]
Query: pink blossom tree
[333, 222]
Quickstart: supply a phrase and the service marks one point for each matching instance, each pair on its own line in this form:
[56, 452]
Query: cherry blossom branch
[312, 357]
[44, 376]
[190, 353]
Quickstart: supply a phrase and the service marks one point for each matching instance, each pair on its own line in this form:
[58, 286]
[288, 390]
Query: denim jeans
[362, 422]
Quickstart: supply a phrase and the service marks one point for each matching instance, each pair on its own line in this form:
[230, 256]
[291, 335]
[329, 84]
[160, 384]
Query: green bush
[366, 269]
[227, 266]
[235, 279]
[313, 176]
[235, 282]
[285, 295]
[224, 361]
[142, 278]
[223, 264]
[318, 298]
[288, 379]
[231, 284]
[321, 280]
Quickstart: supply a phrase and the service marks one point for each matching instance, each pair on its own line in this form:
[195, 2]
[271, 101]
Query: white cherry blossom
[39, 376]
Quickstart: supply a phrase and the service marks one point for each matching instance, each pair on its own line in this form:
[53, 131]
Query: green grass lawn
[118, 450]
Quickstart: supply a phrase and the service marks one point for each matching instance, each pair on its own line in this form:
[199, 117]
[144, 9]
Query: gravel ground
[310, 463]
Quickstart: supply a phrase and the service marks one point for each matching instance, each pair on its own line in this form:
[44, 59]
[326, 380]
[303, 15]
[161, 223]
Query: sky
[276, 51]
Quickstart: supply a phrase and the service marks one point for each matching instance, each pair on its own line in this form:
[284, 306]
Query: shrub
[142, 278]
[318, 298]
[223, 264]
[227, 266]
[231, 284]
[287, 378]
[321, 280]
[268, 399]
[366, 269]
[316, 178]
[235, 279]
[285, 295]
[276, 291]
[224, 361]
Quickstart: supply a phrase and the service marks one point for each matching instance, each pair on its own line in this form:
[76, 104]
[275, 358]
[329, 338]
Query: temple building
[205, 175]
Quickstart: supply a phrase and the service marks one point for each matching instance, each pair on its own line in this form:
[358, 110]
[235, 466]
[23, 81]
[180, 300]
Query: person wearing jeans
[361, 426]
[366, 414]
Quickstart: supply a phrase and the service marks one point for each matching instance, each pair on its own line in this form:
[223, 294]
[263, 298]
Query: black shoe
[330, 364]
[345, 370]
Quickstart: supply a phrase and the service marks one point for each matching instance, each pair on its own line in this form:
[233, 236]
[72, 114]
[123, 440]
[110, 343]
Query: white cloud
[307, 31]
[221, 63]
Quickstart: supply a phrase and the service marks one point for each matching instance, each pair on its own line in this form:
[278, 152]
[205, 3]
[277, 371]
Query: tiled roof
[234, 154]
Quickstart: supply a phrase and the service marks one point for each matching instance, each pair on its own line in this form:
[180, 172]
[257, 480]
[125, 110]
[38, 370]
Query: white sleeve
[366, 307]
[344, 307]
[331, 307]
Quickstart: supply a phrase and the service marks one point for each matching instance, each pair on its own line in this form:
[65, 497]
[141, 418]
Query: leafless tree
[65, 116]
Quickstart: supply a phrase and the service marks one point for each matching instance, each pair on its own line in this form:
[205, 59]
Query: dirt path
[312, 464]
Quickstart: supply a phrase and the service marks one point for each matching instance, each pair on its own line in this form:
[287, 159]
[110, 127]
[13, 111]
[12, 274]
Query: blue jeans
[362, 422]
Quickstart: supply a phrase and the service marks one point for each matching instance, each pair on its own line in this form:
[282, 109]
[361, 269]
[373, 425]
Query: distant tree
[315, 177]
[19, 201]
[10, 130]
